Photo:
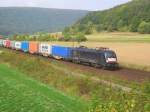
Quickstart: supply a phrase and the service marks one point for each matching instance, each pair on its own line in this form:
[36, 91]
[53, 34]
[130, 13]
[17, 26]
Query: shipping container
[12, 44]
[45, 49]
[25, 46]
[8, 43]
[18, 45]
[33, 47]
[4, 43]
[61, 52]
[1, 42]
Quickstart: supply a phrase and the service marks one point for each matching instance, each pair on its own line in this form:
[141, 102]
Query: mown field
[19, 93]
[40, 77]
[132, 48]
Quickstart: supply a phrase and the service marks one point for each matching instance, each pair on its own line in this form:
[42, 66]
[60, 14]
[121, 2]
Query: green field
[18, 93]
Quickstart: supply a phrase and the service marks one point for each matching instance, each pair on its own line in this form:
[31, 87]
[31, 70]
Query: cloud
[31, 4]
[65, 4]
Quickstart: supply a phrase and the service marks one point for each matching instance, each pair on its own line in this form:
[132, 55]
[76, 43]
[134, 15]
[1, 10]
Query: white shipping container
[1, 42]
[17, 45]
[12, 44]
[45, 49]
[4, 43]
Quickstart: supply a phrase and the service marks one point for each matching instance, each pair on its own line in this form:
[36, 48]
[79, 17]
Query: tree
[134, 25]
[126, 17]
[120, 24]
[88, 30]
[99, 27]
[144, 27]
[66, 30]
[67, 37]
[80, 37]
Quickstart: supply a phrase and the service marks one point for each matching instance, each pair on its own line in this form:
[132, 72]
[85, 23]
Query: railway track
[123, 73]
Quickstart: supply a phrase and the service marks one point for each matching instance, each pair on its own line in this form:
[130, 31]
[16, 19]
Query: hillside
[133, 16]
[20, 93]
[29, 20]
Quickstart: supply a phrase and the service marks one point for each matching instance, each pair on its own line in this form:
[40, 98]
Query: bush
[147, 87]
[108, 100]
[144, 27]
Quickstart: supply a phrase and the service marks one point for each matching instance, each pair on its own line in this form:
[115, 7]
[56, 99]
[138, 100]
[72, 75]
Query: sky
[64, 4]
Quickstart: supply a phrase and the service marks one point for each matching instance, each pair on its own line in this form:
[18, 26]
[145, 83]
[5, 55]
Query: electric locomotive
[101, 57]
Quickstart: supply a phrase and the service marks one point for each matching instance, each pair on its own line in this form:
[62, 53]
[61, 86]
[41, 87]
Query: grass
[18, 93]
[136, 66]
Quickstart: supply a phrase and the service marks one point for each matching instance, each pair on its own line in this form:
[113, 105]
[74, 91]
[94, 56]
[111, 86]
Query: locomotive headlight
[111, 60]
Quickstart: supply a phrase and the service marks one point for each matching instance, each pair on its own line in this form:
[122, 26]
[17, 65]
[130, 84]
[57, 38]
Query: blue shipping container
[63, 52]
[25, 46]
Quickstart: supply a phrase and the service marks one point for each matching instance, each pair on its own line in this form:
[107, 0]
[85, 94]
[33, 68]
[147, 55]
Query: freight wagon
[1, 42]
[4, 43]
[34, 47]
[8, 43]
[18, 45]
[25, 46]
[45, 49]
[12, 44]
[60, 52]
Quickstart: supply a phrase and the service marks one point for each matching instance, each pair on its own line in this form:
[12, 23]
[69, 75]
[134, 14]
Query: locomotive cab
[110, 59]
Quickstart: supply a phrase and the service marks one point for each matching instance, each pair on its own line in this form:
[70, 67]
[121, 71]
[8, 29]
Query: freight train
[99, 57]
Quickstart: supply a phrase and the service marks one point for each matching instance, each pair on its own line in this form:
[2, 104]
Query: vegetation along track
[123, 73]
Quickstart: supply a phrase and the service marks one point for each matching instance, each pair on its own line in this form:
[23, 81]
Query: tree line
[41, 36]
[133, 16]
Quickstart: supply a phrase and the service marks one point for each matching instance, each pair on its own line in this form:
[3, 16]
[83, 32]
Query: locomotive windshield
[110, 55]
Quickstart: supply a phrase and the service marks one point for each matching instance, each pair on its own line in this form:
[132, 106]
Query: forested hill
[29, 20]
[133, 16]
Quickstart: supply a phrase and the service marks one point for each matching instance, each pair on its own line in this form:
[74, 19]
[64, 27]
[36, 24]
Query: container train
[99, 57]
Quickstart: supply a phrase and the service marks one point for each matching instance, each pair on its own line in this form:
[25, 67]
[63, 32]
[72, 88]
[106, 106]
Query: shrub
[109, 100]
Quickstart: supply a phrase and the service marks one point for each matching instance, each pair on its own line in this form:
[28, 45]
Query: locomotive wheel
[76, 61]
[95, 65]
